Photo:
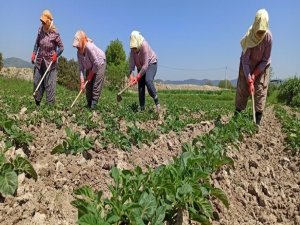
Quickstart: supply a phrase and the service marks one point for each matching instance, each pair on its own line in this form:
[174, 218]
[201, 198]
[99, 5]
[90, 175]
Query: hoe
[119, 97]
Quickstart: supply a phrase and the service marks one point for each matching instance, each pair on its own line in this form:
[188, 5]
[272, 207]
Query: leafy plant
[19, 137]
[9, 170]
[291, 126]
[73, 144]
[139, 136]
[289, 91]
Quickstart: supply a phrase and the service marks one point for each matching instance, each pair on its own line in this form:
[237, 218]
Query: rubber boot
[237, 111]
[37, 103]
[94, 104]
[258, 116]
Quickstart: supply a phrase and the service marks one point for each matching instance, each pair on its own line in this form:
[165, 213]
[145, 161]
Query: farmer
[144, 58]
[254, 71]
[48, 47]
[91, 59]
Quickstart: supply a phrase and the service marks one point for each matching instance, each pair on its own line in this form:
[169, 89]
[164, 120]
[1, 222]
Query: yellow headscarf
[261, 23]
[136, 39]
[47, 18]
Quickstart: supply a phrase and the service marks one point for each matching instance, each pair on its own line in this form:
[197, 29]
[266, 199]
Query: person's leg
[149, 76]
[50, 86]
[242, 92]
[89, 91]
[98, 83]
[141, 89]
[260, 96]
[38, 73]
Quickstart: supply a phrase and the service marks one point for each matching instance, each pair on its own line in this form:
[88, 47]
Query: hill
[195, 82]
[16, 62]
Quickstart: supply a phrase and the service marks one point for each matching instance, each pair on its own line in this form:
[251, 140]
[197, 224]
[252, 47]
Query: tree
[1, 61]
[225, 84]
[115, 53]
[117, 65]
[68, 73]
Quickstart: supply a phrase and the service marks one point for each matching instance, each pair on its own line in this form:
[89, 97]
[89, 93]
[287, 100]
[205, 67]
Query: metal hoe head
[119, 98]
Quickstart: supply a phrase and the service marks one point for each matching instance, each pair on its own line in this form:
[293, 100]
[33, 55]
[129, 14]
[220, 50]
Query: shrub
[289, 92]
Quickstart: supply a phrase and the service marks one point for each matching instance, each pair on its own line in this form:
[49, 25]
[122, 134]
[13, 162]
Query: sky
[193, 39]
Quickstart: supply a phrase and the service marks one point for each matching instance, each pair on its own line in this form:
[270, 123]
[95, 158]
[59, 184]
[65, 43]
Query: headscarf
[80, 39]
[261, 23]
[47, 18]
[136, 39]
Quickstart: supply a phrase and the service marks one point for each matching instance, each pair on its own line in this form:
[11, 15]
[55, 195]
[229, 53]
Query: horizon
[193, 40]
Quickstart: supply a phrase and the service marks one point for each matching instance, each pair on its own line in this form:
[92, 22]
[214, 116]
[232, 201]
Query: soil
[263, 188]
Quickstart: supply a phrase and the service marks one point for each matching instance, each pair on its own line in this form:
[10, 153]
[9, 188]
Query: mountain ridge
[16, 62]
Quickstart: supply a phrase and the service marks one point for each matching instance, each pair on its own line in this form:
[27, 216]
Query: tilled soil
[48, 200]
[263, 188]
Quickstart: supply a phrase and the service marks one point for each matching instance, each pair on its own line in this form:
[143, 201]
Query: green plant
[139, 136]
[289, 91]
[18, 137]
[73, 144]
[291, 126]
[9, 170]
[117, 65]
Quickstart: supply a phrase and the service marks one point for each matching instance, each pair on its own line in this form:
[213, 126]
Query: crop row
[291, 127]
[158, 196]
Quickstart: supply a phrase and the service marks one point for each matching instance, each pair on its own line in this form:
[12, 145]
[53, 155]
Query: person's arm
[91, 51]
[36, 46]
[266, 58]
[60, 46]
[144, 53]
[131, 63]
[245, 60]
[79, 59]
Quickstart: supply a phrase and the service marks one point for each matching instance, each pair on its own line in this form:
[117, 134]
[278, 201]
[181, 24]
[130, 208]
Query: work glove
[90, 76]
[132, 80]
[255, 74]
[54, 57]
[138, 77]
[250, 85]
[81, 84]
[32, 57]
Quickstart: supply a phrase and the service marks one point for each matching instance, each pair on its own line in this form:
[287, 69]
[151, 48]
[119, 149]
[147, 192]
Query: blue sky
[193, 39]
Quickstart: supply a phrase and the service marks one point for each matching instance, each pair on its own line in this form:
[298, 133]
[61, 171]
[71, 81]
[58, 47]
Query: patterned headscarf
[261, 23]
[136, 39]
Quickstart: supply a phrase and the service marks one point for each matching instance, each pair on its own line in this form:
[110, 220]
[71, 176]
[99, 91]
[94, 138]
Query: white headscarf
[261, 23]
[136, 39]
[80, 39]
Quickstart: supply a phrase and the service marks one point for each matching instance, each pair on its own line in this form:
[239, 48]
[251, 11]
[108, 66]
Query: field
[117, 165]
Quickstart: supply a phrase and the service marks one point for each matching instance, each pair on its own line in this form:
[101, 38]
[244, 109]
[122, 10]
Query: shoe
[157, 107]
[94, 104]
[258, 116]
[37, 103]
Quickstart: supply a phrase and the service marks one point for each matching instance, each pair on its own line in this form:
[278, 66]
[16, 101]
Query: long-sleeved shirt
[92, 59]
[46, 45]
[258, 56]
[142, 59]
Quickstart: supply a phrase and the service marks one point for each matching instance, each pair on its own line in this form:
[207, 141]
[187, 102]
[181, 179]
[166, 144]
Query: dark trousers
[147, 80]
